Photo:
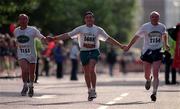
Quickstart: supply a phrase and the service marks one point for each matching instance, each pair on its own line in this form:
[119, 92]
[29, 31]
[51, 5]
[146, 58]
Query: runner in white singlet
[26, 52]
[154, 34]
[25, 40]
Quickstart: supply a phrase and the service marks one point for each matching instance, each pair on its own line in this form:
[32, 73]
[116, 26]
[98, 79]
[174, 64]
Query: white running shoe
[92, 95]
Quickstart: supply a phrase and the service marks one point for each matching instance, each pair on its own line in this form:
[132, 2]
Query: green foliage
[9, 9]
[59, 16]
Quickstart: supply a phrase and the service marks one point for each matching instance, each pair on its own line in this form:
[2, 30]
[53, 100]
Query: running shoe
[92, 95]
[31, 91]
[24, 90]
[153, 97]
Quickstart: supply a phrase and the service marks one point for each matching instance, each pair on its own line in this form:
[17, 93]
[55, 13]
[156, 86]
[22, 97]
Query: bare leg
[87, 76]
[24, 66]
[147, 70]
[32, 68]
[25, 75]
[156, 67]
[92, 67]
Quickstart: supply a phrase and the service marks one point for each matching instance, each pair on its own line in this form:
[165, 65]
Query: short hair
[24, 15]
[154, 12]
[88, 13]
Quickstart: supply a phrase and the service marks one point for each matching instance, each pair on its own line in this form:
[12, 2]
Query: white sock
[89, 89]
[31, 84]
[93, 89]
[25, 84]
[155, 85]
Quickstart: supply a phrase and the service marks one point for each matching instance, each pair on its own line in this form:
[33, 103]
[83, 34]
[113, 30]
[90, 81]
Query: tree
[10, 8]
[59, 16]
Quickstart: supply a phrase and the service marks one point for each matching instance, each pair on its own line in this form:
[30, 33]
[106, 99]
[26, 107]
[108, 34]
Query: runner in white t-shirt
[89, 37]
[26, 52]
[154, 34]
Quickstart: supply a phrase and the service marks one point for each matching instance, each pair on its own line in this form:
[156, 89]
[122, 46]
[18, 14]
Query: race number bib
[89, 41]
[154, 38]
[86, 45]
[25, 50]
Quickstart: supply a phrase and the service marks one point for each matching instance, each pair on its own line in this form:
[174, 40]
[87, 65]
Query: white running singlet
[152, 36]
[25, 41]
[89, 37]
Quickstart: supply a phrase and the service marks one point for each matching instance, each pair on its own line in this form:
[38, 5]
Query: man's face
[89, 19]
[154, 18]
[23, 20]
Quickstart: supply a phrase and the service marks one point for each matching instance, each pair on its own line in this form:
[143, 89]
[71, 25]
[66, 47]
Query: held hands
[125, 48]
[49, 38]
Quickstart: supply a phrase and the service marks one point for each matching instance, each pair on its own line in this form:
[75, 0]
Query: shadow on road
[168, 90]
[61, 103]
[125, 83]
[6, 103]
[127, 103]
[17, 94]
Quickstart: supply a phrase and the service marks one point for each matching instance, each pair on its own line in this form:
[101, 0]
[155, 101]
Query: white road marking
[113, 101]
[46, 96]
[124, 94]
[118, 98]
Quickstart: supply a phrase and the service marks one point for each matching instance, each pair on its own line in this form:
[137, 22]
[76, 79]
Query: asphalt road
[119, 92]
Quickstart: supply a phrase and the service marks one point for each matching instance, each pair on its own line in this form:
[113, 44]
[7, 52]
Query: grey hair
[154, 12]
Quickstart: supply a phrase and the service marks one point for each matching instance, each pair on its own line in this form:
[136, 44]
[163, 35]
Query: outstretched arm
[64, 36]
[131, 43]
[112, 41]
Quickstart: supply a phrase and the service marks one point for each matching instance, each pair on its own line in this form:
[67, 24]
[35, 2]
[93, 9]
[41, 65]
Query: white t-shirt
[88, 37]
[25, 40]
[152, 36]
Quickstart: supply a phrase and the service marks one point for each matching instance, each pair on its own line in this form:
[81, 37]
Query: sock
[30, 84]
[89, 89]
[25, 84]
[150, 79]
[93, 89]
[155, 85]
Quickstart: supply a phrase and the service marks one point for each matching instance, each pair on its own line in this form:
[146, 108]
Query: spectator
[111, 60]
[176, 62]
[74, 55]
[58, 57]
[169, 56]
[39, 48]
[46, 56]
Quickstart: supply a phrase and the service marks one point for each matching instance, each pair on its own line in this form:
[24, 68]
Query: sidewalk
[12, 74]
